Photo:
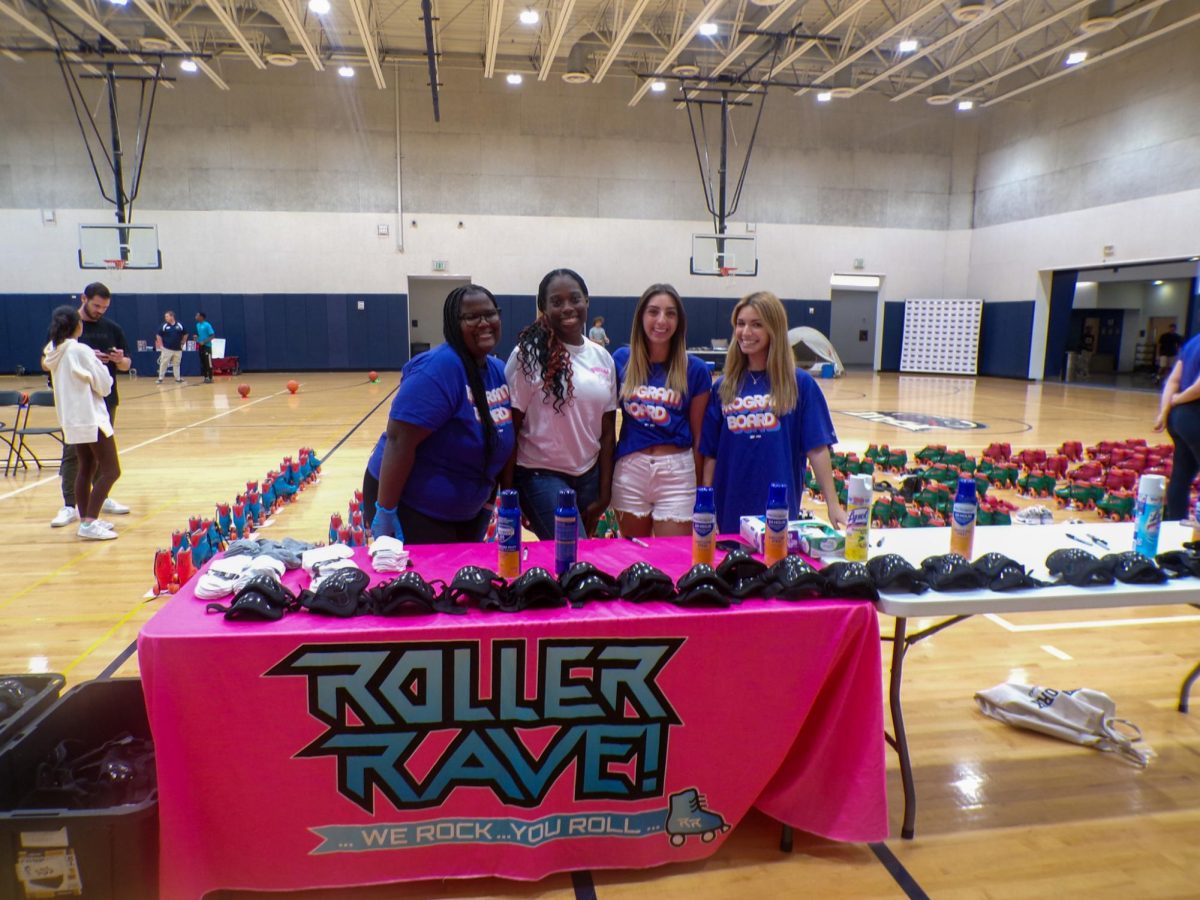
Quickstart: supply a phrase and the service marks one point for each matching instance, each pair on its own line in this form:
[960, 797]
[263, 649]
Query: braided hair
[452, 332]
[63, 322]
[541, 352]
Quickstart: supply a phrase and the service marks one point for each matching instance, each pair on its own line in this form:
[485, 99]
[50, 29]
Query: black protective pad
[1078, 568]
[406, 593]
[792, 578]
[1004, 574]
[484, 585]
[642, 581]
[895, 574]
[702, 586]
[1180, 563]
[262, 598]
[340, 594]
[849, 580]
[739, 565]
[583, 582]
[951, 572]
[1133, 568]
[535, 587]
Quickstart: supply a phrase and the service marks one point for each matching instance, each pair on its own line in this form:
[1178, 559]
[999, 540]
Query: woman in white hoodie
[81, 382]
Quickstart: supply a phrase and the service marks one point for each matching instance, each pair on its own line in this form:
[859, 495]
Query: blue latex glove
[386, 522]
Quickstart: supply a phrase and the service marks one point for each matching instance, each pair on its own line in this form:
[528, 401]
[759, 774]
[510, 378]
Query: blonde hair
[638, 371]
[781, 365]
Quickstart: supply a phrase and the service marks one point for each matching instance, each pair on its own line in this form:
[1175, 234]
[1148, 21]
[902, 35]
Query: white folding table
[1029, 545]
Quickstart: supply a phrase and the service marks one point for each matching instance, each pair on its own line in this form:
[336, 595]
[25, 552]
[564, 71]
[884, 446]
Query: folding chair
[8, 433]
[25, 430]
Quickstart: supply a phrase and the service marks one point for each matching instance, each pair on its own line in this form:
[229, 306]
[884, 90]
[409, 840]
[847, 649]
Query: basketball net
[726, 271]
[114, 264]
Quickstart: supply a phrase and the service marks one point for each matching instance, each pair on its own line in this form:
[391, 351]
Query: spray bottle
[1147, 514]
[962, 518]
[566, 531]
[775, 536]
[704, 526]
[858, 517]
[508, 535]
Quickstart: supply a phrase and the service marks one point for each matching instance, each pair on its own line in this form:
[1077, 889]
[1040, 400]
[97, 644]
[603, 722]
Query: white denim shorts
[662, 487]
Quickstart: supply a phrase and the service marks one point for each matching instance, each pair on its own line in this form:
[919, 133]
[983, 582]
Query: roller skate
[687, 816]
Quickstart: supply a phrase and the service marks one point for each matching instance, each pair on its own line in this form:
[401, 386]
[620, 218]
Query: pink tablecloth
[320, 752]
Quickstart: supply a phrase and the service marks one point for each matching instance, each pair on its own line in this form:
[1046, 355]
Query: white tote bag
[1082, 716]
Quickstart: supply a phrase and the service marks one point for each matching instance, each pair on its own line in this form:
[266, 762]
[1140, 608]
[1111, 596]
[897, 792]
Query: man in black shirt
[1168, 349]
[107, 340]
[171, 339]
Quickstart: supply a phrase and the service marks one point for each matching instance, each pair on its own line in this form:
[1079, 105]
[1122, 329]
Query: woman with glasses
[449, 433]
[564, 398]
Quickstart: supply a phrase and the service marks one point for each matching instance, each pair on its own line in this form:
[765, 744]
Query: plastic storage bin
[47, 688]
[110, 853]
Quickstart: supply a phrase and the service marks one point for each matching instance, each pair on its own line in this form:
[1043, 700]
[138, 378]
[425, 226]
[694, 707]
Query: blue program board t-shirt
[1190, 357]
[753, 447]
[449, 481]
[656, 415]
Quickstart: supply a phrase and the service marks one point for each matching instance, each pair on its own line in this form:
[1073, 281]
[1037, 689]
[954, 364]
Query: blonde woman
[664, 392]
[765, 418]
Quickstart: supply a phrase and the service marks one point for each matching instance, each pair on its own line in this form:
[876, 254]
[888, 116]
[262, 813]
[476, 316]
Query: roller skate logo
[687, 816]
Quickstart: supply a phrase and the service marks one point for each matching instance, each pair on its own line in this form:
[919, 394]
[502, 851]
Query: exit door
[852, 326]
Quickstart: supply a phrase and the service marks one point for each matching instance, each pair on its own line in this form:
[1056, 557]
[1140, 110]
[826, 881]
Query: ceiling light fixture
[320, 7]
[824, 96]
[909, 45]
[658, 86]
[1076, 57]
[708, 29]
[346, 71]
[118, 2]
[529, 16]
[965, 105]
[188, 65]
[1158, 282]
[514, 78]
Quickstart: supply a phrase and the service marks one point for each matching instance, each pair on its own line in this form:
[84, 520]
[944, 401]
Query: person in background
[1168, 348]
[564, 398]
[204, 336]
[81, 382]
[449, 433]
[107, 340]
[1179, 414]
[597, 333]
[170, 340]
[765, 420]
[664, 392]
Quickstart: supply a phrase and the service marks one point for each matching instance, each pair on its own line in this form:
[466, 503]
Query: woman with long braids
[81, 382]
[449, 433]
[766, 420]
[564, 398]
[664, 393]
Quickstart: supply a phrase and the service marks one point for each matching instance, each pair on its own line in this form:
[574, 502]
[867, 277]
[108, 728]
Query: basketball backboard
[724, 254]
[119, 247]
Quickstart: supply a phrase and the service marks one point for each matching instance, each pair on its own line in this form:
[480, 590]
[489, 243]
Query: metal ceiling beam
[13, 56]
[107, 34]
[492, 40]
[997, 47]
[166, 28]
[743, 45]
[619, 39]
[45, 36]
[1057, 50]
[900, 26]
[561, 22]
[289, 14]
[231, 26]
[948, 38]
[363, 23]
[678, 47]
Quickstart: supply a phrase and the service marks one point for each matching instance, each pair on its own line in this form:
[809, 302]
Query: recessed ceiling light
[529, 16]
[346, 71]
[824, 96]
[188, 65]
[320, 7]
[514, 78]
[658, 86]
[964, 105]
[708, 29]
[1158, 282]
[908, 46]
[118, 2]
[1076, 57]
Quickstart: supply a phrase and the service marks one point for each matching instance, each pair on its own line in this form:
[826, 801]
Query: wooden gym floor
[1001, 813]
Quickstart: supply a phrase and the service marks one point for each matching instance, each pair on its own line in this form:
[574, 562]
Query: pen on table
[1099, 542]
[638, 541]
[1079, 540]
[524, 554]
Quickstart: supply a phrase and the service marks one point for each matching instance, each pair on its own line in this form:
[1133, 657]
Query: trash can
[105, 853]
[827, 370]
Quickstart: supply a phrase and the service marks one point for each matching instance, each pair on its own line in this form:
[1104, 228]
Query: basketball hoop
[726, 271]
[114, 264]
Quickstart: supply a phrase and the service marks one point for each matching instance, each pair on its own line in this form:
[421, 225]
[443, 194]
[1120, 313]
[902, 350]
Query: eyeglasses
[492, 316]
